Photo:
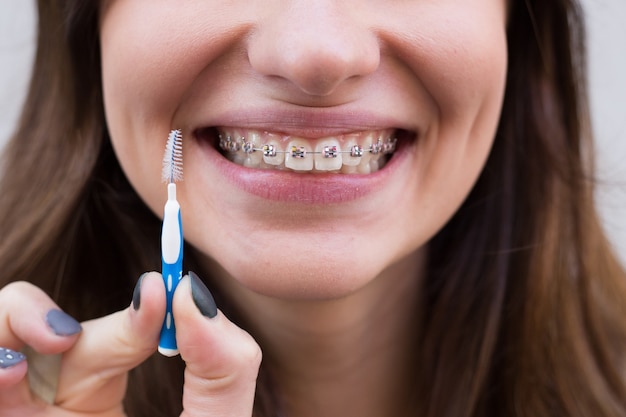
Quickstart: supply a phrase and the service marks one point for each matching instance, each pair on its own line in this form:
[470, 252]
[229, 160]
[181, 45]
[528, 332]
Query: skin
[328, 288]
[437, 70]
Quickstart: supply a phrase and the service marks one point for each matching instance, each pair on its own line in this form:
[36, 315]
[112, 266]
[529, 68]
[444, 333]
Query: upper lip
[308, 123]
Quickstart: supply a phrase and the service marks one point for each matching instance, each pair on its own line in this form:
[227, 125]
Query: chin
[304, 269]
[296, 281]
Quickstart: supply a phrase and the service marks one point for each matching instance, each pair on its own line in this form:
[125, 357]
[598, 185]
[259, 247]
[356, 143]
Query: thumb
[222, 360]
[94, 372]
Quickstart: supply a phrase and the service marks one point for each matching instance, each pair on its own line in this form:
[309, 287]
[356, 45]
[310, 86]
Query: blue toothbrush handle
[172, 271]
[172, 274]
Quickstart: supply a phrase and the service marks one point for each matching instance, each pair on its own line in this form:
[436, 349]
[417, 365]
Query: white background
[607, 57]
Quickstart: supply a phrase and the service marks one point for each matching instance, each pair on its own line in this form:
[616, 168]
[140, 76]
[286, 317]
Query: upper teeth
[354, 153]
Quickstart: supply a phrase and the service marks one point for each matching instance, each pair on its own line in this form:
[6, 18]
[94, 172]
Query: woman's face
[422, 79]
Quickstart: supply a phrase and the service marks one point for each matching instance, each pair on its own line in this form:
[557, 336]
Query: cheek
[469, 91]
[145, 72]
[465, 75]
[457, 51]
[152, 53]
[139, 63]
[461, 63]
[151, 56]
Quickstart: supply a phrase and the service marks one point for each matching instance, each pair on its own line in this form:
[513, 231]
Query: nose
[315, 45]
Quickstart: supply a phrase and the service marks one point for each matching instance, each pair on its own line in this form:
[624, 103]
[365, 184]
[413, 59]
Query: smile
[362, 152]
[256, 161]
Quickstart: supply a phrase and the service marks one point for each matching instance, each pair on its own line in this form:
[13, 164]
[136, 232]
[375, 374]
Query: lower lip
[313, 189]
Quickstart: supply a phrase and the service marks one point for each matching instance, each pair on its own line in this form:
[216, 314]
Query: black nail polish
[202, 296]
[9, 358]
[137, 293]
[62, 324]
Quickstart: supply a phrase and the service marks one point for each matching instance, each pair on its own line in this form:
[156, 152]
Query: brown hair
[524, 304]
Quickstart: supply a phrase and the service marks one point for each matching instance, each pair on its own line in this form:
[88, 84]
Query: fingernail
[202, 296]
[9, 358]
[62, 324]
[137, 293]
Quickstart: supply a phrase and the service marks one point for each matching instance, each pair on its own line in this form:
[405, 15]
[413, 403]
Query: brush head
[173, 158]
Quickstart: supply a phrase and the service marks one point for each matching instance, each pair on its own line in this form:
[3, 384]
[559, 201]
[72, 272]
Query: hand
[222, 360]
[95, 361]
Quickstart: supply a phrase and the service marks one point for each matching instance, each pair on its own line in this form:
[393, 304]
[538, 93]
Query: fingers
[222, 360]
[94, 371]
[12, 367]
[13, 389]
[29, 317]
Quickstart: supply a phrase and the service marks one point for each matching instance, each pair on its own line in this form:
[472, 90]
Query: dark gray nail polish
[202, 297]
[9, 358]
[62, 324]
[137, 293]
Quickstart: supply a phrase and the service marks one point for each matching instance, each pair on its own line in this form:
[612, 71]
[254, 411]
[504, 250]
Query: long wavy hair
[523, 306]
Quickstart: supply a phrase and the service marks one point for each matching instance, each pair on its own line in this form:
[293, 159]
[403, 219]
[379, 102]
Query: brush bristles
[173, 158]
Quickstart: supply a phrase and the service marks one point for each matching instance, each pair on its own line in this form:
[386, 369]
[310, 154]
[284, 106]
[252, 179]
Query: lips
[360, 152]
[311, 187]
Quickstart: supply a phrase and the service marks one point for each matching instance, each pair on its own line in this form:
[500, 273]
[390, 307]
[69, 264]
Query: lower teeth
[299, 157]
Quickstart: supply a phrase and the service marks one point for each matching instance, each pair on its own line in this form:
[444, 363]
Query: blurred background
[606, 21]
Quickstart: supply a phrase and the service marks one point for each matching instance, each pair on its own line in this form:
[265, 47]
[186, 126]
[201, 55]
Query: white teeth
[270, 154]
[328, 157]
[367, 156]
[296, 155]
[357, 150]
[364, 165]
[361, 153]
[348, 169]
[253, 159]
[363, 168]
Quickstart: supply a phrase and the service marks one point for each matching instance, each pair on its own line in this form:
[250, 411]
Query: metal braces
[229, 145]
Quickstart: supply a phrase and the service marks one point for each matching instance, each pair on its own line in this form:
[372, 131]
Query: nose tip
[316, 53]
[316, 69]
